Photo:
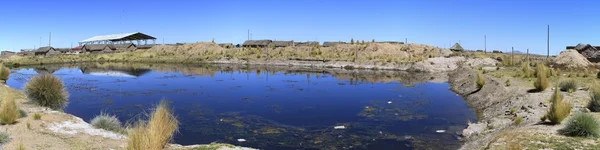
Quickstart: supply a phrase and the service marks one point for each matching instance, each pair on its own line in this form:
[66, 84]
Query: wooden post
[528, 54]
[512, 55]
[485, 44]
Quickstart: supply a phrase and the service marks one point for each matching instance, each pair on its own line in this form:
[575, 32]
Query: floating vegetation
[400, 110]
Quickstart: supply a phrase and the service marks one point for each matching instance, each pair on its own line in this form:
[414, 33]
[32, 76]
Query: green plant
[582, 124]
[541, 82]
[568, 85]
[37, 116]
[480, 81]
[4, 73]
[594, 104]
[107, 122]
[518, 120]
[507, 83]
[47, 90]
[4, 137]
[157, 133]
[559, 110]
[9, 112]
[22, 113]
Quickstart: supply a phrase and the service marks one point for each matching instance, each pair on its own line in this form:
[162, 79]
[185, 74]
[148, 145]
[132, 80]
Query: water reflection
[279, 107]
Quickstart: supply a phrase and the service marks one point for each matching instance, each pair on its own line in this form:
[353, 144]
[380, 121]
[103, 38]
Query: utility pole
[248, 34]
[40, 41]
[49, 39]
[528, 55]
[484, 44]
[512, 55]
[548, 44]
[405, 40]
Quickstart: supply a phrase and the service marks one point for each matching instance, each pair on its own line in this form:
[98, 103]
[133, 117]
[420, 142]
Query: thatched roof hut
[256, 43]
[124, 47]
[391, 42]
[282, 43]
[313, 43]
[329, 44]
[97, 48]
[63, 50]
[226, 45]
[457, 47]
[44, 51]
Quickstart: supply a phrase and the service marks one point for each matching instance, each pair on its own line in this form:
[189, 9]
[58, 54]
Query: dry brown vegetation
[9, 111]
[157, 133]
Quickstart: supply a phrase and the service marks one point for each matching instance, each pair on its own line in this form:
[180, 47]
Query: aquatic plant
[47, 90]
[9, 113]
[4, 73]
[107, 122]
[480, 81]
[157, 133]
[541, 83]
[582, 124]
[568, 85]
[559, 110]
[4, 137]
[37, 116]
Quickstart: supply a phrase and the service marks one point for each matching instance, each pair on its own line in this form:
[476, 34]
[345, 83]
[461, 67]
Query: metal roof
[120, 37]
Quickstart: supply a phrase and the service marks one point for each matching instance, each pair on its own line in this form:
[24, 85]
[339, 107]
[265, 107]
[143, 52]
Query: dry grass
[559, 110]
[9, 112]
[541, 82]
[37, 116]
[47, 90]
[157, 133]
[4, 73]
[480, 80]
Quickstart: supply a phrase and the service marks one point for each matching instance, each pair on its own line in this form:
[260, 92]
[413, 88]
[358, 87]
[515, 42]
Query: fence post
[512, 55]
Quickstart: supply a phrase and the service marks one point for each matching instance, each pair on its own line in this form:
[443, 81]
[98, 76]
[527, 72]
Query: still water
[271, 107]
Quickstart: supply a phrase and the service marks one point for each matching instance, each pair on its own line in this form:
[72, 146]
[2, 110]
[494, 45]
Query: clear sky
[518, 23]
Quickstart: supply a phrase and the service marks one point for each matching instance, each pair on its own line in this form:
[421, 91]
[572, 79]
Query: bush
[107, 122]
[518, 120]
[507, 83]
[47, 90]
[526, 71]
[582, 124]
[559, 110]
[541, 83]
[568, 85]
[157, 133]
[4, 137]
[480, 81]
[9, 113]
[4, 73]
[594, 104]
[22, 113]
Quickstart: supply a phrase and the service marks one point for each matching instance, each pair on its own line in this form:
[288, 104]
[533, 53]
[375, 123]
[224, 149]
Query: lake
[272, 107]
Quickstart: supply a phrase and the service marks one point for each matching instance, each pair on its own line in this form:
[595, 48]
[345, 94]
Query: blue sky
[506, 23]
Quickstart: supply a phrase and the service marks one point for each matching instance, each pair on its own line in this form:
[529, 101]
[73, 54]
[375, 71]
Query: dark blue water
[272, 108]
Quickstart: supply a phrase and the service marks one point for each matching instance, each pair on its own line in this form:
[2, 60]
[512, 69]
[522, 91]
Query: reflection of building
[45, 70]
[117, 72]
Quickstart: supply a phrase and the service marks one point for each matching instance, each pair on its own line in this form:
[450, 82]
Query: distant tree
[213, 40]
[362, 42]
[373, 41]
[352, 41]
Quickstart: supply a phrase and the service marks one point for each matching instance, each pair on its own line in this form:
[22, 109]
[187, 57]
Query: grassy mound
[47, 90]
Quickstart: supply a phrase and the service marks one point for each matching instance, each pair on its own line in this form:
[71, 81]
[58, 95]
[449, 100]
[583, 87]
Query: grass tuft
[568, 85]
[20, 146]
[594, 104]
[107, 122]
[541, 82]
[507, 83]
[583, 125]
[559, 110]
[480, 81]
[22, 113]
[4, 137]
[47, 90]
[4, 73]
[9, 112]
[37, 116]
[157, 133]
[518, 120]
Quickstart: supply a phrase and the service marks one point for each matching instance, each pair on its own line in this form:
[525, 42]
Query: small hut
[329, 44]
[96, 48]
[257, 43]
[46, 51]
[311, 44]
[125, 47]
[282, 43]
[6, 53]
[226, 45]
[457, 47]
[63, 50]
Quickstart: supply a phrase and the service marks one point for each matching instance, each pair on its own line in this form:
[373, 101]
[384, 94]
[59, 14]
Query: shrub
[568, 85]
[4, 137]
[20, 146]
[541, 83]
[480, 81]
[37, 116]
[157, 133]
[582, 124]
[4, 73]
[47, 90]
[9, 113]
[507, 83]
[526, 71]
[22, 113]
[594, 104]
[559, 110]
[518, 120]
[107, 122]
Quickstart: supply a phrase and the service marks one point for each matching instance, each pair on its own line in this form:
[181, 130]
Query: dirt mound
[189, 49]
[571, 59]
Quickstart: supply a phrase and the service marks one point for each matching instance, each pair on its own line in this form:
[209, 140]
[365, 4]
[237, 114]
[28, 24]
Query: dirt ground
[60, 131]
